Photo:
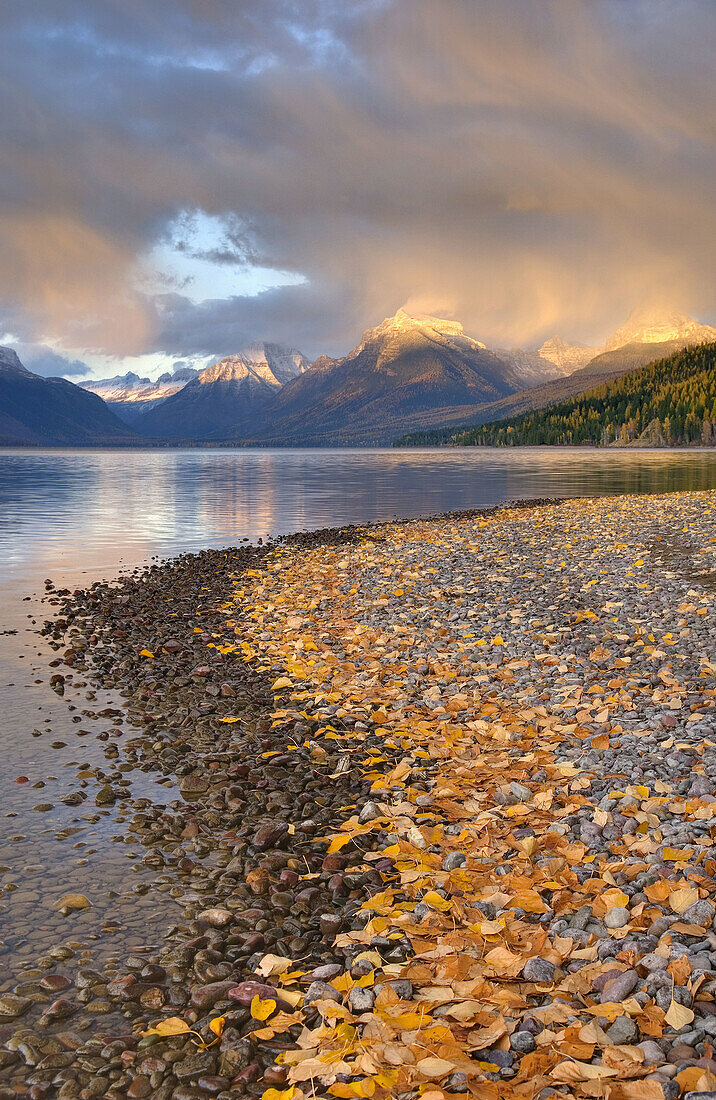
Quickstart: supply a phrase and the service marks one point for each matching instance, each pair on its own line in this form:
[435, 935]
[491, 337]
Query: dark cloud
[527, 165]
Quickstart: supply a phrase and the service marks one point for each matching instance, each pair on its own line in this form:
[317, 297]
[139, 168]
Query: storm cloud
[527, 166]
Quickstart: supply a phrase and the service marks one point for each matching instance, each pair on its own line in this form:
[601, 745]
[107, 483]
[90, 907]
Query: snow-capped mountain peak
[653, 326]
[271, 364]
[567, 357]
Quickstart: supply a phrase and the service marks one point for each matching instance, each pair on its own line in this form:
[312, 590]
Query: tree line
[669, 403]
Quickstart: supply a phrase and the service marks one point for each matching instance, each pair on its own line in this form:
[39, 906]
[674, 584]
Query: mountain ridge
[399, 367]
[223, 393]
[37, 411]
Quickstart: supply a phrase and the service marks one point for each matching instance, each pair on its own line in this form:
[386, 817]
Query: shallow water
[75, 516]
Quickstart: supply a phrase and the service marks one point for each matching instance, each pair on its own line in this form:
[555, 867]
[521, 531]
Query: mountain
[660, 327]
[223, 394]
[406, 370]
[129, 396]
[619, 360]
[670, 402]
[52, 411]
[567, 357]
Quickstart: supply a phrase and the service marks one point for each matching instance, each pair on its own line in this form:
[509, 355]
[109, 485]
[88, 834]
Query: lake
[76, 516]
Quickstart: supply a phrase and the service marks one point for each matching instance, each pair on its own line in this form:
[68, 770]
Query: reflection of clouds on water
[89, 509]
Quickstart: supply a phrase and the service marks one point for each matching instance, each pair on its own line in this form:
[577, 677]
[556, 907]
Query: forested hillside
[670, 402]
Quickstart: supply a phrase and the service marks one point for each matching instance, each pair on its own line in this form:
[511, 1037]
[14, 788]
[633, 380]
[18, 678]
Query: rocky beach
[446, 825]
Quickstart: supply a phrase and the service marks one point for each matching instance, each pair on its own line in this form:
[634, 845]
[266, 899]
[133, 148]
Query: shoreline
[179, 697]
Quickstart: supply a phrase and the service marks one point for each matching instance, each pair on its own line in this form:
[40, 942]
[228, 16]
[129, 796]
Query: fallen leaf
[260, 1009]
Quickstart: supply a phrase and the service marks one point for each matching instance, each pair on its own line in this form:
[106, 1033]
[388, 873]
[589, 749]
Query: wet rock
[269, 834]
[139, 1088]
[69, 903]
[205, 997]
[12, 1006]
[217, 918]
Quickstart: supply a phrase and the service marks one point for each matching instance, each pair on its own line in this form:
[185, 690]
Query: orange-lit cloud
[526, 165]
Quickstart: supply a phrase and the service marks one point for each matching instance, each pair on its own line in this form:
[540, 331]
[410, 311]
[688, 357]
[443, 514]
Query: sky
[180, 178]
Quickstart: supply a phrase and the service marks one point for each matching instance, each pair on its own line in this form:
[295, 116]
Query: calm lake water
[77, 516]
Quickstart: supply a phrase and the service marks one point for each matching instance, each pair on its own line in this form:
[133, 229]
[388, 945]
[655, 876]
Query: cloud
[525, 165]
[49, 363]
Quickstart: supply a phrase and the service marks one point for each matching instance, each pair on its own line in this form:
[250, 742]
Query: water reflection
[91, 508]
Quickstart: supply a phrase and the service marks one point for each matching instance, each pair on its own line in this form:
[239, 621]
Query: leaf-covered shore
[547, 839]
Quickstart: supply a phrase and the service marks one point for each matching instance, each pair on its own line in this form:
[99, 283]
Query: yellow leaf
[281, 683]
[677, 854]
[172, 1026]
[678, 1016]
[217, 1025]
[498, 640]
[528, 845]
[261, 1010]
[435, 901]
[145, 653]
[338, 842]
[279, 1094]
[229, 720]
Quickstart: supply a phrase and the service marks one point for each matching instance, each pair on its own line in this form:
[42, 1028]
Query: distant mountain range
[129, 396]
[402, 371]
[51, 412]
[407, 375]
[225, 394]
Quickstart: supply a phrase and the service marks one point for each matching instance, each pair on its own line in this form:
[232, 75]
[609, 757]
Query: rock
[55, 983]
[521, 793]
[325, 973]
[453, 860]
[360, 999]
[623, 1030]
[12, 1006]
[217, 918]
[245, 992]
[192, 786]
[330, 924]
[522, 1041]
[194, 1065]
[653, 962]
[321, 991]
[72, 902]
[616, 917]
[653, 1054]
[369, 812]
[538, 970]
[268, 834]
[701, 912]
[205, 997]
[140, 1087]
[619, 987]
[105, 796]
